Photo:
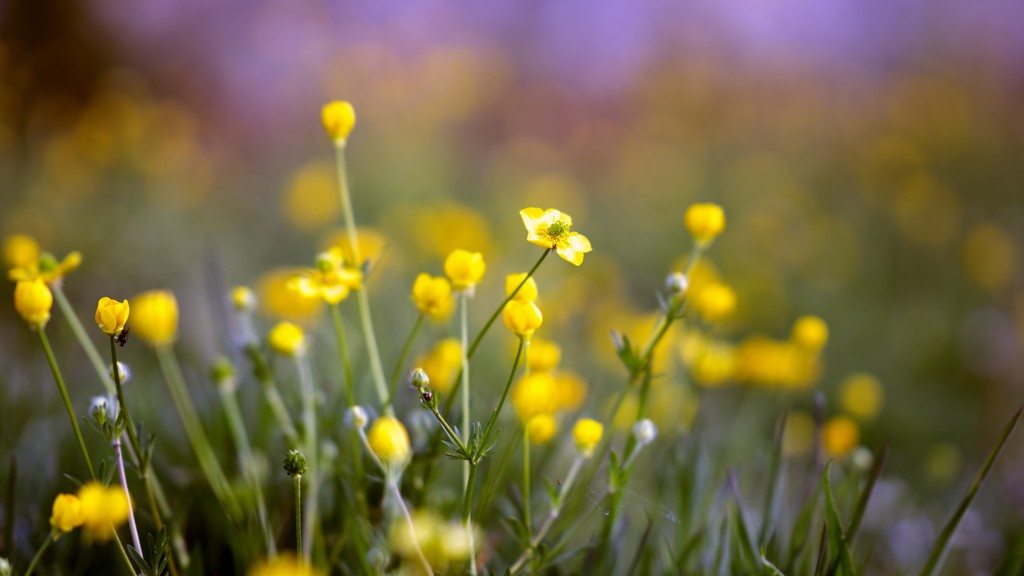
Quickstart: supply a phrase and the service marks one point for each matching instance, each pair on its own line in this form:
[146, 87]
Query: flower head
[715, 302]
[46, 268]
[389, 440]
[331, 280]
[861, 395]
[283, 565]
[295, 464]
[67, 513]
[587, 433]
[464, 269]
[33, 300]
[338, 118]
[287, 339]
[542, 428]
[243, 299]
[553, 230]
[705, 222]
[432, 296]
[544, 355]
[522, 317]
[155, 317]
[111, 315]
[103, 508]
[20, 251]
[534, 394]
[529, 290]
[839, 436]
[810, 333]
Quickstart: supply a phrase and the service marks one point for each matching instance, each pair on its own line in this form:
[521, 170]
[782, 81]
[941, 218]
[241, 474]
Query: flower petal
[570, 255]
[579, 242]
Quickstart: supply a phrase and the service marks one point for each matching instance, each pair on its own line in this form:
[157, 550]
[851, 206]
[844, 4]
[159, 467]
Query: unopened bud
[122, 370]
[645, 432]
[677, 283]
[356, 417]
[223, 373]
[295, 463]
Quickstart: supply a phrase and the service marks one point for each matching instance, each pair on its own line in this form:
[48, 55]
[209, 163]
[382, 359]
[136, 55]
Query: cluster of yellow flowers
[98, 509]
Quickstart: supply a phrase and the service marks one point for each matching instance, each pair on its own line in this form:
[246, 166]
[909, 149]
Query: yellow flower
[103, 508]
[441, 542]
[33, 300]
[277, 299]
[442, 363]
[522, 317]
[810, 333]
[553, 230]
[570, 390]
[839, 436]
[798, 437]
[541, 428]
[331, 280]
[587, 433]
[464, 268]
[432, 296]
[67, 513]
[338, 118]
[288, 339]
[155, 317]
[111, 315]
[705, 222]
[371, 244]
[46, 267]
[534, 394]
[715, 302]
[544, 355]
[389, 440]
[529, 290]
[20, 251]
[283, 565]
[243, 298]
[861, 395]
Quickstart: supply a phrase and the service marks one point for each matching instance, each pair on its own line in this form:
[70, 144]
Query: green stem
[124, 553]
[309, 422]
[346, 361]
[504, 394]
[42, 548]
[376, 369]
[83, 338]
[527, 521]
[136, 445]
[233, 414]
[298, 515]
[262, 372]
[397, 371]
[128, 496]
[67, 400]
[467, 520]
[464, 331]
[194, 430]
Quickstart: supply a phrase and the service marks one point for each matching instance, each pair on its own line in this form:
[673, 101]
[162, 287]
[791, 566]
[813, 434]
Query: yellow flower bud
[534, 394]
[587, 433]
[243, 298]
[522, 317]
[67, 513]
[288, 339]
[529, 290]
[839, 436]
[715, 302]
[861, 395]
[284, 565]
[432, 296]
[705, 222]
[103, 508]
[810, 333]
[544, 355]
[570, 390]
[464, 268]
[20, 251]
[389, 440]
[111, 315]
[541, 428]
[155, 317]
[338, 118]
[33, 300]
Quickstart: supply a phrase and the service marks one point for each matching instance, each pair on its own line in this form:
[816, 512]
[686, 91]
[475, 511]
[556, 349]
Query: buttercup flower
[283, 565]
[103, 508]
[522, 317]
[534, 394]
[389, 440]
[155, 317]
[111, 315]
[331, 280]
[338, 119]
[243, 298]
[861, 395]
[529, 290]
[553, 230]
[46, 267]
[715, 302]
[541, 428]
[67, 514]
[432, 296]
[810, 333]
[288, 339]
[464, 269]
[705, 222]
[587, 433]
[33, 300]
[544, 355]
[20, 251]
[839, 436]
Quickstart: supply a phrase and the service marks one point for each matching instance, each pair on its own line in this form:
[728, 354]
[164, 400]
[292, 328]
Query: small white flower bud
[645, 432]
[862, 458]
[123, 370]
[356, 417]
[677, 283]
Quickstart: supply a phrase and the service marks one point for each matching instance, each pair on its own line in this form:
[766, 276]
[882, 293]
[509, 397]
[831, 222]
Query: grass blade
[640, 548]
[837, 539]
[774, 480]
[746, 539]
[939, 550]
[819, 565]
[865, 495]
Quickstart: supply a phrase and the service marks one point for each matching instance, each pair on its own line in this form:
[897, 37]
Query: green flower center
[558, 229]
[47, 262]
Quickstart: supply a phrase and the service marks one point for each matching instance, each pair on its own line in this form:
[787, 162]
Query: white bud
[123, 370]
[5, 567]
[862, 458]
[677, 283]
[99, 404]
[645, 432]
[356, 417]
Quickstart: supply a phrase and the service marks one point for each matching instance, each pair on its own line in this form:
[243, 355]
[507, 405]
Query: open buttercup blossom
[553, 229]
[331, 280]
[111, 315]
[432, 296]
[464, 269]
[66, 514]
[20, 250]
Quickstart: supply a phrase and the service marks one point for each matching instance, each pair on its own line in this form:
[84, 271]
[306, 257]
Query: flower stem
[309, 423]
[396, 372]
[67, 400]
[298, 515]
[464, 331]
[233, 414]
[122, 405]
[527, 521]
[393, 483]
[42, 548]
[376, 369]
[346, 362]
[83, 338]
[128, 495]
[467, 520]
[262, 372]
[504, 395]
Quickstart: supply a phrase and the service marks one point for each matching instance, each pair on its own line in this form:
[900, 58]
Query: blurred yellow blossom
[311, 199]
[587, 433]
[279, 300]
[989, 256]
[861, 395]
[66, 514]
[111, 315]
[370, 242]
[714, 363]
[441, 542]
[544, 355]
[389, 440]
[798, 437]
[541, 428]
[714, 302]
[839, 436]
[529, 290]
[464, 269]
[47, 268]
[287, 339]
[522, 317]
[338, 119]
[103, 509]
[283, 565]
[20, 251]
[705, 222]
[33, 300]
[331, 281]
[243, 298]
[810, 333]
[155, 317]
[570, 391]
[553, 230]
[442, 363]
[534, 394]
[432, 296]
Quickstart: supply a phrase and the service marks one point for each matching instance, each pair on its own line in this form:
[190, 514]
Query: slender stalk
[396, 372]
[67, 400]
[467, 518]
[298, 515]
[124, 553]
[83, 337]
[233, 414]
[262, 372]
[464, 331]
[504, 394]
[309, 423]
[123, 406]
[412, 527]
[194, 430]
[376, 369]
[39, 554]
[346, 361]
[527, 521]
[552, 516]
[127, 494]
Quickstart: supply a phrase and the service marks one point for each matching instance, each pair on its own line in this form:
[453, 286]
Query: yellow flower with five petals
[331, 281]
[553, 230]
[46, 268]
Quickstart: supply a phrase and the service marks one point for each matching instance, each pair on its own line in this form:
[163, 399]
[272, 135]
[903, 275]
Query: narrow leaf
[746, 540]
[774, 478]
[837, 539]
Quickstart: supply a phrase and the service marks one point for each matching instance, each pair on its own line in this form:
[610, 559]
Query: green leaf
[837, 539]
[750, 552]
[774, 481]
[938, 552]
[769, 568]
